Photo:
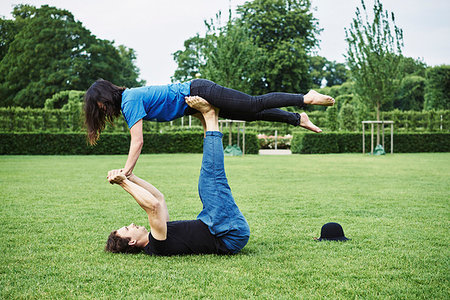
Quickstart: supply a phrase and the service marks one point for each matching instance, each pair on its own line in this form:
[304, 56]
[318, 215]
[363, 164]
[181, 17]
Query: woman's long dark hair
[110, 96]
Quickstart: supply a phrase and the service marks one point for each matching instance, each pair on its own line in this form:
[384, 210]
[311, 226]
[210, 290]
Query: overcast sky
[157, 28]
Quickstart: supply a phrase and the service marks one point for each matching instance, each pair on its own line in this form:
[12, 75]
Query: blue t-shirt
[161, 103]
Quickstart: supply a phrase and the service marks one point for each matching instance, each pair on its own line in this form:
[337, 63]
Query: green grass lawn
[56, 212]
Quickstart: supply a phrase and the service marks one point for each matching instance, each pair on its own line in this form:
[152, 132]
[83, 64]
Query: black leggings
[236, 105]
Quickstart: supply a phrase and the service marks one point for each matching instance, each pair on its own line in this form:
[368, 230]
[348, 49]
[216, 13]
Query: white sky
[157, 28]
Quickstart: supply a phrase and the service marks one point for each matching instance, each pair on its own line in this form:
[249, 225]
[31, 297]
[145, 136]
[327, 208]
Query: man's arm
[156, 211]
[152, 189]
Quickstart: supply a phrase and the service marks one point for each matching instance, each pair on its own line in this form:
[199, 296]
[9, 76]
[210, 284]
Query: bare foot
[117, 179]
[199, 104]
[306, 123]
[315, 98]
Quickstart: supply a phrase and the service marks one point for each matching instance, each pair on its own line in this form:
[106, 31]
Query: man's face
[135, 233]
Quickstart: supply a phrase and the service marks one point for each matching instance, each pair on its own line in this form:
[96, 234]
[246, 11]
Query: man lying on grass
[220, 227]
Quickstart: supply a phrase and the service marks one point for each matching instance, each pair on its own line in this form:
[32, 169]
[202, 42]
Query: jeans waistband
[214, 133]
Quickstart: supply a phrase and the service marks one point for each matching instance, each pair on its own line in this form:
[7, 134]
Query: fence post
[364, 138]
[392, 138]
[371, 139]
[276, 139]
[243, 140]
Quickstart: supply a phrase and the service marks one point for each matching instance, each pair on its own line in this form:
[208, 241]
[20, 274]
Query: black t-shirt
[186, 237]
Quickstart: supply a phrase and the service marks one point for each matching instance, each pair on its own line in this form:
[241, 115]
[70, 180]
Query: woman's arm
[137, 141]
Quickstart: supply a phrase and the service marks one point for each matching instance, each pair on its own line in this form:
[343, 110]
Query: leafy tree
[317, 70]
[337, 73]
[286, 30]
[233, 60]
[437, 88]
[374, 55]
[45, 50]
[281, 32]
[191, 59]
[411, 93]
[411, 66]
[8, 31]
[325, 71]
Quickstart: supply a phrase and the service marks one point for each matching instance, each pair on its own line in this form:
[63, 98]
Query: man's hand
[116, 176]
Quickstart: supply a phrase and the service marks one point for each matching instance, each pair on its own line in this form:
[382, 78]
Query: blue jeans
[220, 213]
[236, 105]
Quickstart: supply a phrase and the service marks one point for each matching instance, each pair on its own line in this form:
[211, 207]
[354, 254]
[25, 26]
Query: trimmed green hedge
[309, 143]
[109, 143]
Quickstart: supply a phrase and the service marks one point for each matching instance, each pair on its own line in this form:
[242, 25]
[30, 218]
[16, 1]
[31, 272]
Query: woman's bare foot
[306, 123]
[315, 98]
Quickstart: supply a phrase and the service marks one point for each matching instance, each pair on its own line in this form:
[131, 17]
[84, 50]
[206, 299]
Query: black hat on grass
[332, 232]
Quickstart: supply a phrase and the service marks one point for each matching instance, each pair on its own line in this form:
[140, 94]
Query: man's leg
[220, 212]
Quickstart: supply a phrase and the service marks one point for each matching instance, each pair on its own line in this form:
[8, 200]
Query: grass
[56, 212]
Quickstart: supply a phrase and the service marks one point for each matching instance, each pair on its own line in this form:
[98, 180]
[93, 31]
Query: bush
[437, 88]
[63, 98]
[69, 119]
[315, 143]
[347, 118]
[309, 143]
[109, 143]
[332, 118]
[268, 142]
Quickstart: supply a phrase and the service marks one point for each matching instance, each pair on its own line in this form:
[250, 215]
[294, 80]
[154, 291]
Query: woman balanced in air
[105, 101]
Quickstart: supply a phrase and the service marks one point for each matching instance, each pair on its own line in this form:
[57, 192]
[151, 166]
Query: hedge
[109, 143]
[308, 143]
[16, 119]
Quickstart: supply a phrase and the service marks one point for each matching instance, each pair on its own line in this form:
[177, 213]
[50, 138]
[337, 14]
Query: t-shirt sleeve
[133, 111]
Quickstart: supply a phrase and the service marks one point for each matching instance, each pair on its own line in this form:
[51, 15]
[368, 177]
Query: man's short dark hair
[117, 244]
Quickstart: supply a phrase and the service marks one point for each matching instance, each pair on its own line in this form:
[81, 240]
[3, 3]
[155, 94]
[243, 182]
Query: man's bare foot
[306, 123]
[117, 179]
[315, 98]
[198, 103]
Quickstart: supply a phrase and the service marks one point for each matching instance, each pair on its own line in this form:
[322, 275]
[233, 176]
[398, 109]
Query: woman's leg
[235, 101]
[272, 115]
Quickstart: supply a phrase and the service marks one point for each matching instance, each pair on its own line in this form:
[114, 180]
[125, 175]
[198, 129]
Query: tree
[411, 93]
[191, 59]
[437, 88]
[317, 70]
[329, 72]
[233, 60]
[337, 73]
[45, 50]
[374, 55]
[411, 66]
[281, 32]
[286, 30]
